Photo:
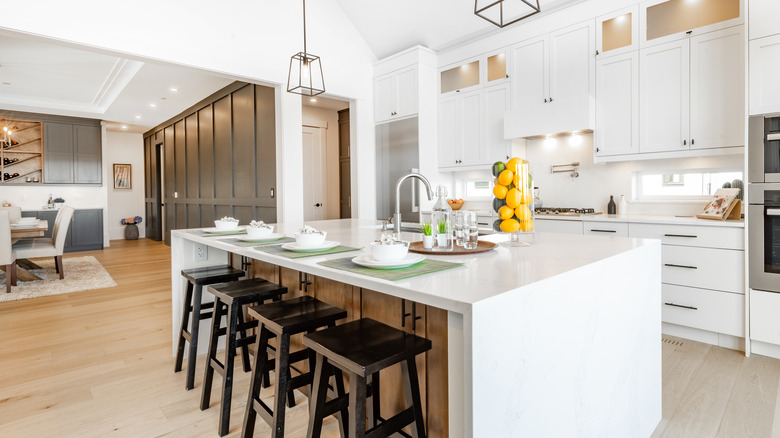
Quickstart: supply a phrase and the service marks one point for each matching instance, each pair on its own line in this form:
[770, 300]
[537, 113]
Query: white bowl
[259, 233]
[388, 253]
[226, 225]
[311, 239]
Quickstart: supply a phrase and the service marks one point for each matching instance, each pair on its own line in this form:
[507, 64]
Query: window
[682, 184]
[476, 189]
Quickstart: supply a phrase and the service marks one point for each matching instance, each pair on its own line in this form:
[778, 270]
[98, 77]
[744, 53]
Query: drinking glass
[459, 227]
[470, 230]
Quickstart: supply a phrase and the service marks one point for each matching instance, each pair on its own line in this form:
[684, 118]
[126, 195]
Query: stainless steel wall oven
[764, 202]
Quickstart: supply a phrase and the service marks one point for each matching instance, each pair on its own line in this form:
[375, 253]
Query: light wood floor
[98, 364]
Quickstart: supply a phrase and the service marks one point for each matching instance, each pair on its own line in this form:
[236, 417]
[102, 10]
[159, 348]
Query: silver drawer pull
[681, 235]
[681, 306]
[603, 231]
[773, 211]
[482, 223]
[773, 137]
[679, 266]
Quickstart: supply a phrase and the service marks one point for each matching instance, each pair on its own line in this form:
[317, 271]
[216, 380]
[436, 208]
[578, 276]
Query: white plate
[268, 238]
[370, 262]
[326, 245]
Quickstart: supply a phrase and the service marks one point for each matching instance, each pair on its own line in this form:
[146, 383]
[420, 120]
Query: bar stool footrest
[394, 424]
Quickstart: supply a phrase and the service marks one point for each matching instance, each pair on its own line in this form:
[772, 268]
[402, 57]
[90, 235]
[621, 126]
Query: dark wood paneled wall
[219, 159]
[345, 184]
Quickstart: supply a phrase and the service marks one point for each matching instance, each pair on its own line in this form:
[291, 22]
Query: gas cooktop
[553, 211]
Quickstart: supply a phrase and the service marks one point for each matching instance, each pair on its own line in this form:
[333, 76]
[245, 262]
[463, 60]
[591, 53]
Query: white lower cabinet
[764, 311]
[610, 229]
[557, 226]
[704, 309]
[708, 268]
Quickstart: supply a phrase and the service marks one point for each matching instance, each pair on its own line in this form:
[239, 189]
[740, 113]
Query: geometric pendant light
[505, 12]
[305, 75]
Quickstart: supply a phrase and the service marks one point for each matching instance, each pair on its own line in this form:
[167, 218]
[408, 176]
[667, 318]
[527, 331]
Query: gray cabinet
[72, 153]
[84, 233]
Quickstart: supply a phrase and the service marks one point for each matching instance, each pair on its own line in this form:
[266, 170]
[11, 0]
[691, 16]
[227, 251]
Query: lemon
[510, 226]
[505, 177]
[523, 213]
[513, 198]
[514, 163]
[506, 212]
[527, 226]
[527, 197]
[500, 192]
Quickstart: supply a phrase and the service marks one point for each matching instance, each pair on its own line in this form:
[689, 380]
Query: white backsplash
[596, 182]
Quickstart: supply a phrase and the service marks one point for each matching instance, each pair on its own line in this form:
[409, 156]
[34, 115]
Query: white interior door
[314, 173]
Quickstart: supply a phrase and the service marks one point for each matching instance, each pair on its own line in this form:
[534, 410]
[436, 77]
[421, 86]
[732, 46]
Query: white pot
[427, 242]
[441, 239]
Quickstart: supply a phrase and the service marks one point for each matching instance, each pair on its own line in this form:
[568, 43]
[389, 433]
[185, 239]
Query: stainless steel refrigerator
[397, 153]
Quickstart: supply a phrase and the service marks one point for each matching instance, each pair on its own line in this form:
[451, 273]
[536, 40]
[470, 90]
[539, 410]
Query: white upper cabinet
[530, 73]
[763, 17]
[572, 63]
[448, 132]
[765, 75]
[461, 130]
[496, 103]
[617, 32]
[717, 87]
[395, 95]
[662, 21]
[460, 78]
[617, 105]
[663, 97]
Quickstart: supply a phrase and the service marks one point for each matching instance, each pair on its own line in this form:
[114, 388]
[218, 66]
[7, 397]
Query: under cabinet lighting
[124, 126]
[173, 90]
[313, 100]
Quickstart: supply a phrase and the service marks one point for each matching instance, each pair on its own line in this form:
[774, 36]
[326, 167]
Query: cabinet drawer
[718, 269]
[704, 309]
[687, 235]
[619, 229]
[557, 226]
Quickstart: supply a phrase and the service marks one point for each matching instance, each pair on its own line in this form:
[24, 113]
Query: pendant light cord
[304, 29]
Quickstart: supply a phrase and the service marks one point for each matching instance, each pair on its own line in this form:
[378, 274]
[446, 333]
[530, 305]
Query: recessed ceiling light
[137, 117]
[163, 98]
[124, 126]
[6, 83]
[152, 105]
[173, 89]
[313, 99]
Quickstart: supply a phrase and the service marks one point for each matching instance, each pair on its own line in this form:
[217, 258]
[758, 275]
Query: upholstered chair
[7, 255]
[14, 213]
[28, 249]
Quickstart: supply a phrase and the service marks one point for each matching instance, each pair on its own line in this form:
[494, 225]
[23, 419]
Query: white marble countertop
[484, 276]
[646, 219]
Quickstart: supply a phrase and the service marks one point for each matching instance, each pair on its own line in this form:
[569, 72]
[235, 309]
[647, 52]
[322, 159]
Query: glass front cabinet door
[617, 32]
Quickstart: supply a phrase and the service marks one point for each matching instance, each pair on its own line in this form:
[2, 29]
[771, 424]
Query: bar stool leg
[412, 392]
[193, 355]
[282, 380]
[227, 381]
[245, 347]
[317, 401]
[259, 373]
[343, 416]
[185, 323]
[373, 407]
[208, 377]
[357, 401]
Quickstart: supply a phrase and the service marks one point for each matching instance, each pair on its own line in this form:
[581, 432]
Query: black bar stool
[362, 348]
[284, 319]
[230, 299]
[196, 279]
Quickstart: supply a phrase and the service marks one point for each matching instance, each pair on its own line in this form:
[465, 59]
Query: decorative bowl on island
[259, 229]
[226, 224]
[309, 236]
[389, 249]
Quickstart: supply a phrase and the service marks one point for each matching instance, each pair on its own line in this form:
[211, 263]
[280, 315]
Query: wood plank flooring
[98, 364]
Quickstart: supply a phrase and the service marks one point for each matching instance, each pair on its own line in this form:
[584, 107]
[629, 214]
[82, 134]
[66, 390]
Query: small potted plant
[442, 235]
[131, 227]
[427, 231]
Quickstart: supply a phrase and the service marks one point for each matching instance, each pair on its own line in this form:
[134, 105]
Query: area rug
[81, 273]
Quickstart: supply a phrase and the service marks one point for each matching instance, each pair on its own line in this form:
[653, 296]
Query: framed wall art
[122, 176]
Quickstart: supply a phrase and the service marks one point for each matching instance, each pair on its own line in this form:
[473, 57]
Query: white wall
[330, 118]
[245, 39]
[124, 148]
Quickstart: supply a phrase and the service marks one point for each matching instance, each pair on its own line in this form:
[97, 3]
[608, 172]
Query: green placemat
[278, 250]
[258, 242]
[426, 266]
[202, 233]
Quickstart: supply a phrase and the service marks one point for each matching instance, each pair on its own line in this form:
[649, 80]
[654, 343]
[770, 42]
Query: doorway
[154, 190]
[326, 164]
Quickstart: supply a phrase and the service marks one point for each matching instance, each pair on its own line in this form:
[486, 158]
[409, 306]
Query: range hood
[550, 119]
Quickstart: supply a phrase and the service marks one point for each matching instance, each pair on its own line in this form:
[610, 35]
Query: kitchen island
[560, 338]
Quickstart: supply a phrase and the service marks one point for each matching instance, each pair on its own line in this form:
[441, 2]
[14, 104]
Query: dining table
[21, 231]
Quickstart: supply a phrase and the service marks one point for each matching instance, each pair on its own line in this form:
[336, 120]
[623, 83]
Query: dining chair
[54, 247]
[7, 254]
[14, 213]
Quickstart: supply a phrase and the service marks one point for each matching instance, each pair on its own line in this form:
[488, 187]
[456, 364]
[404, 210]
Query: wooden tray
[482, 246]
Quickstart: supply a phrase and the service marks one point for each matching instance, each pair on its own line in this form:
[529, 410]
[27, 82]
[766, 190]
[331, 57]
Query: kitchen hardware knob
[692, 140]
[689, 32]
[507, 75]
[551, 99]
[597, 149]
[685, 142]
[545, 100]
[597, 52]
[318, 205]
[457, 91]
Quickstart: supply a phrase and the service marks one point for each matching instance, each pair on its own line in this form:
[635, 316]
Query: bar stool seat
[230, 299]
[282, 320]
[196, 279]
[362, 348]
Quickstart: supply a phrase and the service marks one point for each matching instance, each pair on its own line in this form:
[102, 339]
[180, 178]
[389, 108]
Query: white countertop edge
[646, 219]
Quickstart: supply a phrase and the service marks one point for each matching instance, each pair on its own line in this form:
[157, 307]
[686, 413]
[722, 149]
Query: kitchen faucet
[397, 215]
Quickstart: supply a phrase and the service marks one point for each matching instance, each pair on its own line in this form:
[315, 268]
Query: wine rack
[21, 152]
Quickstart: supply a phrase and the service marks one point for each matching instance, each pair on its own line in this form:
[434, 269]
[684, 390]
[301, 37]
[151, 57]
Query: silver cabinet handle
[773, 211]
[681, 235]
[773, 137]
[671, 265]
[681, 306]
[603, 231]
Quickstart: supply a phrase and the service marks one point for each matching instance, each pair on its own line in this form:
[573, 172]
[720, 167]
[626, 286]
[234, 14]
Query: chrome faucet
[397, 215]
